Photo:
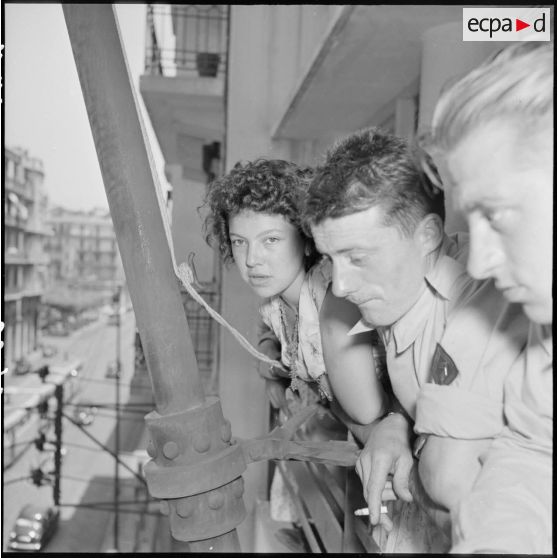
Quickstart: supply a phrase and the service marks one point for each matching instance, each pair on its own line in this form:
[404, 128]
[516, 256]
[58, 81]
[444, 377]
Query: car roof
[30, 510]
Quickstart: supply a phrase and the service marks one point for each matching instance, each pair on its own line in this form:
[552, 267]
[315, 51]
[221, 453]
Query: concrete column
[241, 390]
[446, 57]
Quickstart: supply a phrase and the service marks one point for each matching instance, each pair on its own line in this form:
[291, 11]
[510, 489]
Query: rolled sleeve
[457, 413]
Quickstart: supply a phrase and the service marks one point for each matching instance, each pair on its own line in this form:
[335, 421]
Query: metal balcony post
[195, 468]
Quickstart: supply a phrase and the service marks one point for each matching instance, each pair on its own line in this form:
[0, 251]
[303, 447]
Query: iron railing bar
[364, 535]
[302, 516]
[329, 487]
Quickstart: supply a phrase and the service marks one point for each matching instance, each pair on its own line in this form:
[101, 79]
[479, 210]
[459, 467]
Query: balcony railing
[23, 189]
[19, 257]
[325, 498]
[13, 221]
[205, 333]
[186, 39]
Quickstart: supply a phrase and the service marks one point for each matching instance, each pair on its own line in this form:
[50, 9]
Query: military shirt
[509, 509]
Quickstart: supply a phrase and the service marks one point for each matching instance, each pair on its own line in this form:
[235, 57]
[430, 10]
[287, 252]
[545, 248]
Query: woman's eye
[237, 242]
[271, 239]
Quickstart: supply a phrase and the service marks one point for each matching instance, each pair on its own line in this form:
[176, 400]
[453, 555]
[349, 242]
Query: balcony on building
[15, 256]
[184, 81]
[22, 189]
[374, 53]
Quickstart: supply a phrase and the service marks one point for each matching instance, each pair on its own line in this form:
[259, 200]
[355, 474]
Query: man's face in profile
[504, 184]
[374, 266]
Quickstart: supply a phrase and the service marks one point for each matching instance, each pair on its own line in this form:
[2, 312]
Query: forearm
[359, 431]
[359, 394]
[448, 468]
[349, 362]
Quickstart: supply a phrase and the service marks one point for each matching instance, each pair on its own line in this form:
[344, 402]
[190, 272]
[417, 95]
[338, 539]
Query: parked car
[49, 350]
[90, 316]
[22, 366]
[58, 329]
[84, 412]
[33, 527]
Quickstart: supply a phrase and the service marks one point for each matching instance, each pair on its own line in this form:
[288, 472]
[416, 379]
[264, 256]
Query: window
[10, 168]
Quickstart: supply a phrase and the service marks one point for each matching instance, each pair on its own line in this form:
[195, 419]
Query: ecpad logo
[506, 24]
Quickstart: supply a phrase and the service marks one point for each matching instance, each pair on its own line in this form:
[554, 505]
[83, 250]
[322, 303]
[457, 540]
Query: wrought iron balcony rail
[186, 39]
[23, 189]
[325, 497]
[205, 333]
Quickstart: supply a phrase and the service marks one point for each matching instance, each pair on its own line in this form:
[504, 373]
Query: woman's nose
[253, 255]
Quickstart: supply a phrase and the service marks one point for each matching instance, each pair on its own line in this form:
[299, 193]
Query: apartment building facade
[25, 258]
[83, 249]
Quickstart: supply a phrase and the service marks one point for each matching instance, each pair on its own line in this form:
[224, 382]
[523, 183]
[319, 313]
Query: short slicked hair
[514, 83]
[373, 168]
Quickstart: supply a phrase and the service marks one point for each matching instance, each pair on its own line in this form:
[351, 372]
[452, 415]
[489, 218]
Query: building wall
[248, 123]
[83, 248]
[187, 233]
[26, 261]
[295, 33]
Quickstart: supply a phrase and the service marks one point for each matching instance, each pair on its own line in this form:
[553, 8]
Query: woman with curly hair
[254, 219]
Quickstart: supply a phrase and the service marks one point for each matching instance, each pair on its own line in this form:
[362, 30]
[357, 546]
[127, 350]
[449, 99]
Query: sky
[44, 110]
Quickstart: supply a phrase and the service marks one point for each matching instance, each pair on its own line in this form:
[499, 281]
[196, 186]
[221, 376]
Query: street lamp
[116, 303]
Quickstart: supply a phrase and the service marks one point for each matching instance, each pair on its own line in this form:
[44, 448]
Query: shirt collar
[439, 283]
[360, 327]
[443, 275]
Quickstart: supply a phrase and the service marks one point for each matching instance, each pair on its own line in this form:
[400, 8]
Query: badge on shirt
[444, 370]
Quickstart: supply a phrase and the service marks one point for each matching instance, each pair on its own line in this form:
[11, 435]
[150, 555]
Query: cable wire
[104, 447]
[13, 481]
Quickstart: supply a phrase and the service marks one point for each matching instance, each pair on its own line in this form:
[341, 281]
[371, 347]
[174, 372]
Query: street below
[87, 468]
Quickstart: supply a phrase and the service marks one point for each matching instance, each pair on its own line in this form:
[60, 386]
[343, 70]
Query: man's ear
[430, 233]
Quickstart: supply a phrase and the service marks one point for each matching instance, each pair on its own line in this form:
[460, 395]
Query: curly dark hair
[370, 168]
[264, 186]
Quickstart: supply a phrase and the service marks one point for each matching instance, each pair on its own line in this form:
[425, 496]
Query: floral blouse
[305, 361]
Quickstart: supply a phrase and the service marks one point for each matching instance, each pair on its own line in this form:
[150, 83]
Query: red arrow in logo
[519, 24]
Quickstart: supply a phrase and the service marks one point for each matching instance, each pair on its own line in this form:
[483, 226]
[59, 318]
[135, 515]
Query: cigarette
[366, 511]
